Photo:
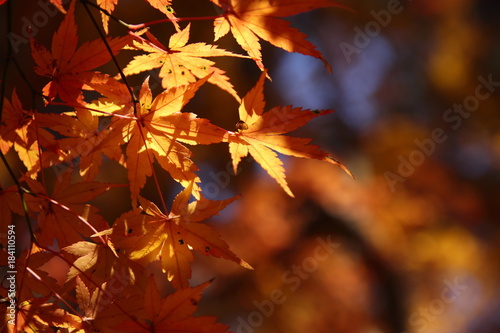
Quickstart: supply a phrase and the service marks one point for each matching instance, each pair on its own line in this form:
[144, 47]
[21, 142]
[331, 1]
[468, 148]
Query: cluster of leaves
[107, 288]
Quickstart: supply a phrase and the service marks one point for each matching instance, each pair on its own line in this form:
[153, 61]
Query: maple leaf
[165, 6]
[70, 68]
[15, 123]
[248, 20]
[65, 216]
[259, 134]
[180, 63]
[37, 315]
[172, 314]
[148, 234]
[116, 96]
[18, 129]
[23, 130]
[115, 300]
[85, 139]
[157, 130]
[109, 6]
[32, 259]
[31, 280]
[88, 301]
[154, 129]
[59, 5]
[10, 202]
[96, 259]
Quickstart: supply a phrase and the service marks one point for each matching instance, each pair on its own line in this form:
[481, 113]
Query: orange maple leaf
[98, 261]
[70, 68]
[37, 315]
[148, 234]
[20, 129]
[17, 129]
[59, 5]
[65, 215]
[165, 7]
[172, 314]
[10, 202]
[116, 96]
[157, 130]
[87, 301]
[83, 139]
[14, 125]
[102, 307]
[180, 63]
[29, 261]
[109, 6]
[248, 20]
[259, 134]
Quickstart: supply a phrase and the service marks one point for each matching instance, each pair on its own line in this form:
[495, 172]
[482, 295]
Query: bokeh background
[419, 253]
[413, 243]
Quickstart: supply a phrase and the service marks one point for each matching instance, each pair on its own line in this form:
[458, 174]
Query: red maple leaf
[147, 234]
[172, 314]
[250, 20]
[69, 68]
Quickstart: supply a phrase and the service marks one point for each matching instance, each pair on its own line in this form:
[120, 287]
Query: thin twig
[178, 19]
[56, 294]
[115, 61]
[105, 12]
[25, 79]
[150, 160]
[147, 24]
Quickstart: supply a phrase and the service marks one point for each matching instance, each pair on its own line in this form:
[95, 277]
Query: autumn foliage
[107, 286]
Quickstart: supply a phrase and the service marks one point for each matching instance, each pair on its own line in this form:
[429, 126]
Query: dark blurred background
[413, 243]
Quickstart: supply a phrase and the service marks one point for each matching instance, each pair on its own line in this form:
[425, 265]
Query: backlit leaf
[261, 136]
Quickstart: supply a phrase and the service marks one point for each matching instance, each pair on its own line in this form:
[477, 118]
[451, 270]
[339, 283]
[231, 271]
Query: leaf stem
[179, 19]
[104, 11]
[147, 24]
[150, 160]
[25, 79]
[104, 113]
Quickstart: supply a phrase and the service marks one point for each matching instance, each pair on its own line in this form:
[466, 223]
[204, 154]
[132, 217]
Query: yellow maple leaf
[259, 134]
[180, 63]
